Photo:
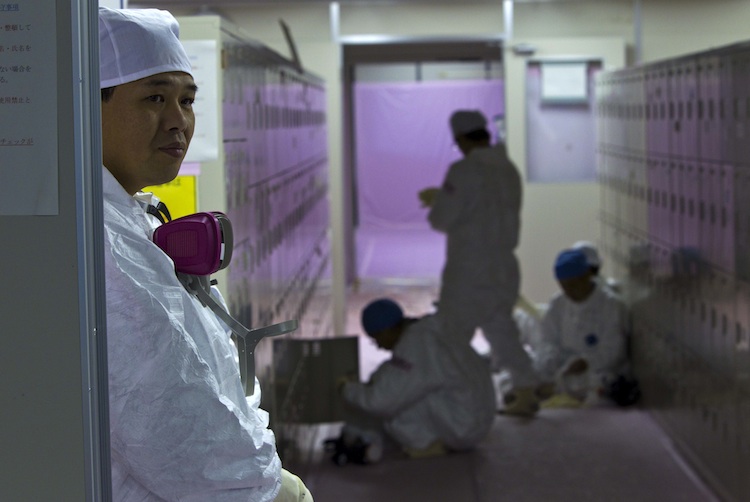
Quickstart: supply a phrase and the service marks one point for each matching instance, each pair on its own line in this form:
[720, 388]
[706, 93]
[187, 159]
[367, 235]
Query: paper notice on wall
[203, 58]
[565, 82]
[28, 108]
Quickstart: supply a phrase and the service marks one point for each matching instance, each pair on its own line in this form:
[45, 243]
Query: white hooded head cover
[138, 43]
[592, 254]
[466, 121]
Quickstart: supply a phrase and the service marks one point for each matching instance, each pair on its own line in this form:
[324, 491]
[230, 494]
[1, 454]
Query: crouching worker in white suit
[432, 396]
[181, 427]
[583, 333]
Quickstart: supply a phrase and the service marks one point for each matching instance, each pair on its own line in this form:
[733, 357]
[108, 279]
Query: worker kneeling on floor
[432, 396]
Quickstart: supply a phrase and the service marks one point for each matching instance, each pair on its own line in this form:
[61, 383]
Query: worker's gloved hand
[576, 367]
[427, 196]
[293, 489]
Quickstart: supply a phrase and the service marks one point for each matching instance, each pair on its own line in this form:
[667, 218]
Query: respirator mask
[201, 244]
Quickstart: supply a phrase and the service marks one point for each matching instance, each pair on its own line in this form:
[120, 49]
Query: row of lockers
[691, 341]
[273, 119]
[696, 107]
[276, 168]
[673, 172]
[680, 204]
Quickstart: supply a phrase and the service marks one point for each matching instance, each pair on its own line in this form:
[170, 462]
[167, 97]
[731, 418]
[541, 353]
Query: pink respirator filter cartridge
[199, 244]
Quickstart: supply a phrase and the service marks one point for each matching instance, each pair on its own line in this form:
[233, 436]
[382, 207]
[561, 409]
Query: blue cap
[381, 314]
[571, 263]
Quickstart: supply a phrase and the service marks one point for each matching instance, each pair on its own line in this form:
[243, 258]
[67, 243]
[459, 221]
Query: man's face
[577, 289]
[147, 126]
[386, 339]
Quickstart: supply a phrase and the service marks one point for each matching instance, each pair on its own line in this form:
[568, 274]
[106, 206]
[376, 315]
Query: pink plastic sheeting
[404, 143]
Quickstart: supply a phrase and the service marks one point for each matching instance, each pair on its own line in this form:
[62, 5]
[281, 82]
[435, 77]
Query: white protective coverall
[594, 330]
[478, 208]
[181, 427]
[432, 389]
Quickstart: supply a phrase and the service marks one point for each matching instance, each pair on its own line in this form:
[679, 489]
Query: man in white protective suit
[432, 396]
[583, 333]
[478, 208]
[181, 426]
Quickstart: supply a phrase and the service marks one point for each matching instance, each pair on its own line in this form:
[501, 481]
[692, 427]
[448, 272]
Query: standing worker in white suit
[478, 208]
[181, 427]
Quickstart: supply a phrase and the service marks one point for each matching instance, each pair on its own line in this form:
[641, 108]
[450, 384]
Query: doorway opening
[398, 98]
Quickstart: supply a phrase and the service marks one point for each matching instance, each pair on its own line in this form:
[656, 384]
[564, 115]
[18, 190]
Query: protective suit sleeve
[180, 425]
[450, 200]
[550, 354]
[395, 385]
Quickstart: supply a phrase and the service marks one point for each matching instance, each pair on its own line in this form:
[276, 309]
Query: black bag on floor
[625, 391]
[343, 452]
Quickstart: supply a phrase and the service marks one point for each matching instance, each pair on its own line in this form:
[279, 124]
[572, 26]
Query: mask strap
[159, 211]
[162, 208]
[246, 339]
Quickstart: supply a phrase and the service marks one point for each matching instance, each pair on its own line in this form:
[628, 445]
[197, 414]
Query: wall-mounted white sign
[28, 108]
[205, 144]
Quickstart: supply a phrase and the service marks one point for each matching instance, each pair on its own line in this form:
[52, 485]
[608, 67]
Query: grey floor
[578, 455]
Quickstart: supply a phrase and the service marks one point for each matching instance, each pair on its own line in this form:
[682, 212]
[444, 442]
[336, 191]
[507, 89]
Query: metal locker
[692, 349]
[708, 94]
[725, 228]
[727, 109]
[656, 142]
[706, 179]
[640, 215]
[689, 198]
[726, 305]
[688, 110]
[656, 185]
[741, 368]
[742, 223]
[672, 214]
[306, 372]
[741, 85]
[682, 92]
[735, 76]
[637, 99]
[663, 123]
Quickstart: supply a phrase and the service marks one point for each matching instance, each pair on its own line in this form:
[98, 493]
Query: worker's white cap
[466, 121]
[592, 254]
[138, 43]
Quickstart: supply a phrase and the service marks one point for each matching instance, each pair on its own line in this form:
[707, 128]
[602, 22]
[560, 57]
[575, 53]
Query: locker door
[653, 198]
[687, 110]
[727, 110]
[736, 95]
[725, 218]
[655, 143]
[742, 377]
[640, 221]
[708, 92]
[676, 111]
[725, 446]
[636, 138]
[740, 83]
[742, 223]
[706, 177]
[672, 216]
[690, 193]
[602, 174]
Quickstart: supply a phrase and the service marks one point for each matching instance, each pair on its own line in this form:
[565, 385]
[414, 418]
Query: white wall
[554, 215]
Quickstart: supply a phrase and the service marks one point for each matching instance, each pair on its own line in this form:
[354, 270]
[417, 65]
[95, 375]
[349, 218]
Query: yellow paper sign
[179, 195]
